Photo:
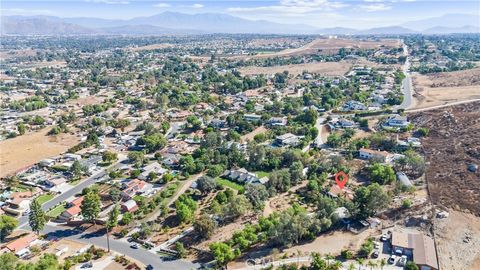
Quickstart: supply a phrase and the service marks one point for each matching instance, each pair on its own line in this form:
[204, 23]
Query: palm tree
[351, 266]
[371, 264]
[336, 266]
[383, 262]
[329, 257]
[360, 262]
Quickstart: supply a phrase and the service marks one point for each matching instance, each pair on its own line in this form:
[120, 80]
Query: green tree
[181, 251]
[36, 217]
[296, 172]
[7, 225]
[369, 200]
[334, 140]
[382, 174]
[222, 253]
[411, 266]
[112, 222]
[21, 128]
[205, 226]
[206, 184]
[256, 194]
[109, 156]
[91, 206]
[8, 261]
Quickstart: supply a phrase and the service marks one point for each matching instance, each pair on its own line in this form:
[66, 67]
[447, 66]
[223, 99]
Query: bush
[347, 254]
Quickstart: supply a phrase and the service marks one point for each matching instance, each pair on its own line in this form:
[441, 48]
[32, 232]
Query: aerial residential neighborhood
[179, 141]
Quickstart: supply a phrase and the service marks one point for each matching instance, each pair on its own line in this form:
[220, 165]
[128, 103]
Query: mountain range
[174, 23]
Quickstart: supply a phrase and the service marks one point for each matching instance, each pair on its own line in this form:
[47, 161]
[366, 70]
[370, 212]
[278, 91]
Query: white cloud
[292, 7]
[375, 7]
[197, 6]
[162, 5]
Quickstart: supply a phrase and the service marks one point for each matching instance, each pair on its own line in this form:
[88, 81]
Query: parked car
[376, 253]
[398, 251]
[392, 259]
[135, 246]
[402, 261]
[384, 237]
[149, 267]
[87, 265]
[376, 245]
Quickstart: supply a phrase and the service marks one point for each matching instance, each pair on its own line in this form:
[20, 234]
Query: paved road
[23, 221]
[442, 106]
[318, 140]
[98, 238]
[407, 86]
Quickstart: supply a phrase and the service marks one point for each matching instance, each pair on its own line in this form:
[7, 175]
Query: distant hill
[448, 20]
[449, 30]
[40, 26]
[386, 30]
[171, 23]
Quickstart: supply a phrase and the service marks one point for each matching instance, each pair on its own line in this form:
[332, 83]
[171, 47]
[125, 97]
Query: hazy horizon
[316, 13]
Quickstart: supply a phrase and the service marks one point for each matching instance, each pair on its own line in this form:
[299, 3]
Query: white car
[402, 261]
[392, 259]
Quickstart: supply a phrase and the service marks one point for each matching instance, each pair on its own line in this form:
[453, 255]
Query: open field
[28, 149]
[450, 147]
[326, 46]
[447, 87]
[322, 68]
[151, 47]
[458, 241]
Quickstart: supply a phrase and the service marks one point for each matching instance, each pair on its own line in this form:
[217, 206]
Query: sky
[319, 13]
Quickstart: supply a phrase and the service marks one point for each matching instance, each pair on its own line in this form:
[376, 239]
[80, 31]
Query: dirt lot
[458, 241]
[30, 148]
[453, 144]
[447, 87]
[325, 68]
[327, 46]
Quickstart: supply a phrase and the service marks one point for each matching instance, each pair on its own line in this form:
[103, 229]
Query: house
[72, 211]
[353, 105]
[342, 123]
[250, 117]
[336, 192]
[417, 245]
[129, 206]
[381, 156]
[20, 246]
[171, 160]
[287, 139]
[133, 187]
[403, 179]
[243, 176]
[54, 182]
[178, 115]
[154, 167]
[277, 122]
[398, 121]
[17, 206]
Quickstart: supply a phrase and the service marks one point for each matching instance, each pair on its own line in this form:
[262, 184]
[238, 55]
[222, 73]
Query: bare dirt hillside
[453, 144]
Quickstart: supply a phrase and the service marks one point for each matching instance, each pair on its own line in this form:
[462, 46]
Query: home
[171, 160]
[252, 117]
[342, 123]
[381, 156]
[353, 105]
[72, 211]
[277, 122]
[17, 206]
[243, 176]
[54, 182]
[336, 192]
[398, 121]
[154, 167]
[417, 245]
[287, 139]
[134, 187]
[178, 115]
[21, 246]
[129, 206]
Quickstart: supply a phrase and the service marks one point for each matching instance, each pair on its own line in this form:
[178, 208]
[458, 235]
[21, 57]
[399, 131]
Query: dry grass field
[28, 149]
[447, 87]
[326, 46]
[322, 68]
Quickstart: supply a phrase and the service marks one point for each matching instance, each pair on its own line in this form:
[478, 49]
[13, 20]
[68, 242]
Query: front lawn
[44, 198]
[55, 212]
[230, 184]
[261, 174]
